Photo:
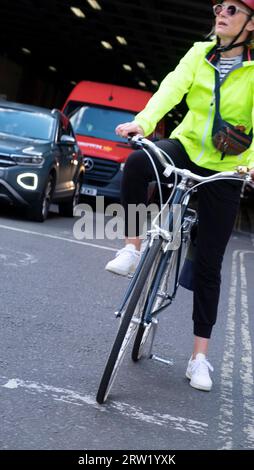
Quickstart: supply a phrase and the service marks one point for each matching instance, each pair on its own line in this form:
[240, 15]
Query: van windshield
[94, 121]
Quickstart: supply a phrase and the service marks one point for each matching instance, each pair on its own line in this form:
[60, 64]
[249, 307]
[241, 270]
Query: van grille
[101, 171]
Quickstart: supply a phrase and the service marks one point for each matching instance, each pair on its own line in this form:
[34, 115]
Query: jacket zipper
[206, 129]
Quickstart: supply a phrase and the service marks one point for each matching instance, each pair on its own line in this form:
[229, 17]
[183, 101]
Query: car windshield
[94, 121]
[26, 124]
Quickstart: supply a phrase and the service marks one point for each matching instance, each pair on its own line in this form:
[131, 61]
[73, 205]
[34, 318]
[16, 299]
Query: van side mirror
[67, 140]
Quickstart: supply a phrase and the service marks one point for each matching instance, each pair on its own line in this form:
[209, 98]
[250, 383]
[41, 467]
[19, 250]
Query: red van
[95, 109]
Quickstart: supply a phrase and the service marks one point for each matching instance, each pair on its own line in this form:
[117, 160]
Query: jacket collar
[248, 56]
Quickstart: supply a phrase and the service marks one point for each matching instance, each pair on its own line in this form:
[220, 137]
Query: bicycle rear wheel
[130, 321]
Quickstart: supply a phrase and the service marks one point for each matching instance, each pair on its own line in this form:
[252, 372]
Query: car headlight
[28, 160]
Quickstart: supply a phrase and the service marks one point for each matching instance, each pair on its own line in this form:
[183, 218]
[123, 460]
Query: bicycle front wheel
[130, 321]
[145, 335]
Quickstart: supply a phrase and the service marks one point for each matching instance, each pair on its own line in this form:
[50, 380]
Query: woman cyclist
[190, 146]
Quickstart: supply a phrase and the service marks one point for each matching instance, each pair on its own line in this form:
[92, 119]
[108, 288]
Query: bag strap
[217, 116]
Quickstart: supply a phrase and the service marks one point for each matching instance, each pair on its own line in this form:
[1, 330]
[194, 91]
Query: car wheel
[39, 212]
[66, 209]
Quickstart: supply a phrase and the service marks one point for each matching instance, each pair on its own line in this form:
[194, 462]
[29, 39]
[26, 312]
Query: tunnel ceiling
[47, 33]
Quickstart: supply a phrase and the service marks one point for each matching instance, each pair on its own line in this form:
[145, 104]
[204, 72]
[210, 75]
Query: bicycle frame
[164, 234]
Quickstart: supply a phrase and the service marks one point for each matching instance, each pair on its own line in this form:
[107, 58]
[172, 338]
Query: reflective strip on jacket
[195, 76]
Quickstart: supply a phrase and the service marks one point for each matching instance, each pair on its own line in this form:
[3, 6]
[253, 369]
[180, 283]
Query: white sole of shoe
[201, 387]
[118, 271]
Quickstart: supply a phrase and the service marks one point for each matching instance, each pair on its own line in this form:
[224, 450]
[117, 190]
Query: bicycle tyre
[144, 333]
[116, 355]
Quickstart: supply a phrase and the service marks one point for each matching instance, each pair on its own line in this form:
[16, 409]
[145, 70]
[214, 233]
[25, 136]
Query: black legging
[217, 209]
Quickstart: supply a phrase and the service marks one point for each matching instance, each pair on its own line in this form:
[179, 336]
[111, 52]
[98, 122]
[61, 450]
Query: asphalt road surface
[57, 327]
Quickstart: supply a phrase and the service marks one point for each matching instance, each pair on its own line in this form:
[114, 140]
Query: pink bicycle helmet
[248, 3]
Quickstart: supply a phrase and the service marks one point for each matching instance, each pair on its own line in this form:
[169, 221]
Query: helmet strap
[233, 43]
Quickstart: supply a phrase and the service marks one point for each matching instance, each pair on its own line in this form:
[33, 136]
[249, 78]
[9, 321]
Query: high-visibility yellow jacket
[195, 75]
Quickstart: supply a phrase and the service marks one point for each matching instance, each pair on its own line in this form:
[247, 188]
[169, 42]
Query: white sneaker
[125, 262]
[198, 373]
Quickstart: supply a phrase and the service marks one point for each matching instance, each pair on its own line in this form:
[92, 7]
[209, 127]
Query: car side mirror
[67, 140]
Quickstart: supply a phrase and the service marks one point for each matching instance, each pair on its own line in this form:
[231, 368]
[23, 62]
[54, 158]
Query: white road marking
[227, 366]
[226, 414]
[15, 258]
[132, 412]
[246, 369]
[56, 237]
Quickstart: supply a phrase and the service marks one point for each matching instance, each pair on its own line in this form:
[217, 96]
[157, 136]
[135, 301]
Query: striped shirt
[227, 63]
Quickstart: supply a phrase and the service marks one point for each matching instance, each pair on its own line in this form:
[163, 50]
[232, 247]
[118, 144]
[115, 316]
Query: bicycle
[154, 284]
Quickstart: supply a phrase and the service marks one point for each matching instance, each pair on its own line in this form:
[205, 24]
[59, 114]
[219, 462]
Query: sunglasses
[231, 10]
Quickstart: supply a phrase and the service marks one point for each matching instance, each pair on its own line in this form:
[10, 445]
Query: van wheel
[66, 209]
[39, 211]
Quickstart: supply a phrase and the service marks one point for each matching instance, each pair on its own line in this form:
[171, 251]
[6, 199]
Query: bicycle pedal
[168, 362]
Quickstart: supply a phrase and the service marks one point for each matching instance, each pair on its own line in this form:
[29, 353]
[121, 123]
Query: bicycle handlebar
[138, 141]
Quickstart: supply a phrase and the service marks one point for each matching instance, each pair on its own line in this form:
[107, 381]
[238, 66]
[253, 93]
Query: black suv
[40, 161]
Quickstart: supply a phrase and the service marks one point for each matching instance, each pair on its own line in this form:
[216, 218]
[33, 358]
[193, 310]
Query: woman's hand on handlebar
[129, 128]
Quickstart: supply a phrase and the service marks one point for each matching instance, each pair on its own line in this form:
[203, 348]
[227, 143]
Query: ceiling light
[121, 40]
[106, 44]
[25, 50]
[141, 65]
[154, 82]
[142, 84]
[95, 5]
[127, 67]
[78, 12]
[52, 68]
